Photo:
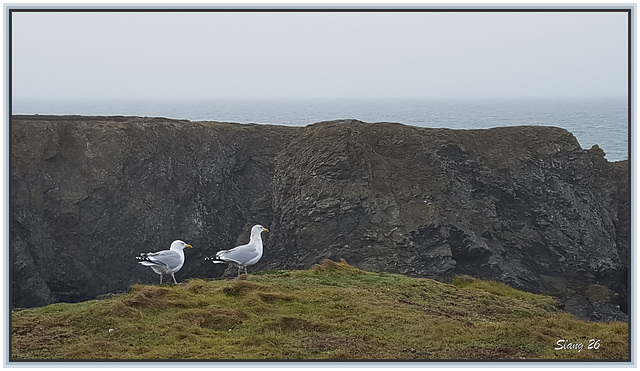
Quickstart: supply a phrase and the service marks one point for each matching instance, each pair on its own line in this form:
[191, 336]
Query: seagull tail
[143, 256]
[214, 260]
[144, 260]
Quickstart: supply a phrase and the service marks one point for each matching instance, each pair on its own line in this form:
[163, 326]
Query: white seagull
[244, 255]
[165, 261]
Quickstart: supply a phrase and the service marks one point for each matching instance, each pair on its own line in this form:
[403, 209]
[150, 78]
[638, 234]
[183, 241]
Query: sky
[210, 55]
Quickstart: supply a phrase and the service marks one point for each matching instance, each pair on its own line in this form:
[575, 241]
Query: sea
[601, 121]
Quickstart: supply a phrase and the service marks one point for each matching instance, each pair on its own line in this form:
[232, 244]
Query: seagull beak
[266, 230]
[189, 246]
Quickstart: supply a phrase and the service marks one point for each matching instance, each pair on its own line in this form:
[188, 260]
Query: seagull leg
[161, 279]
[245, 270]
[239, 270]
[174, 279]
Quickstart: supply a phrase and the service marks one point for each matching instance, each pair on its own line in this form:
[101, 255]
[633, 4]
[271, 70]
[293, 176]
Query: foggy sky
[310, 55]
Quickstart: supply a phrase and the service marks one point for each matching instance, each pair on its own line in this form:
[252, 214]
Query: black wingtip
[213, 260]
[143, 256]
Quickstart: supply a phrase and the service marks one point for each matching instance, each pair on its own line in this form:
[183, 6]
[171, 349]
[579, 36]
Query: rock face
[523, 205]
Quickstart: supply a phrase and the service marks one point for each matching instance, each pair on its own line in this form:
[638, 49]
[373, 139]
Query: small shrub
[597, 293]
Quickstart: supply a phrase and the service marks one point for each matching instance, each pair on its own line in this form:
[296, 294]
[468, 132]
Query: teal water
[593, 121]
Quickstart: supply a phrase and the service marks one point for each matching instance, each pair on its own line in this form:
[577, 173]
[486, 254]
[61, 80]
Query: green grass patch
[330, 311]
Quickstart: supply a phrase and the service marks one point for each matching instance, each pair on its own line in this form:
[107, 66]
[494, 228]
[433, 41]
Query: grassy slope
[331, 311]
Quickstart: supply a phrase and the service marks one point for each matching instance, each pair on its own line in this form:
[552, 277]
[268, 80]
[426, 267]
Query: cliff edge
[523, 205]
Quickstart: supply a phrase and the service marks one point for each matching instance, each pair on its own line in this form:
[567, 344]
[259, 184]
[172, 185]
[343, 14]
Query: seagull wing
[165, 258]
[239, 255]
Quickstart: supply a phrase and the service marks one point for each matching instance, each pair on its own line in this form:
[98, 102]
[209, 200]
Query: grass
[330, 311]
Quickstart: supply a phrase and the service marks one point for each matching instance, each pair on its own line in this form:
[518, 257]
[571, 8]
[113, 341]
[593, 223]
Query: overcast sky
[309, 55]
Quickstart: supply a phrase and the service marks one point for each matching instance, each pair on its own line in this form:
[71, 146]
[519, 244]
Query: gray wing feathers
[167, 258]
[240, 255]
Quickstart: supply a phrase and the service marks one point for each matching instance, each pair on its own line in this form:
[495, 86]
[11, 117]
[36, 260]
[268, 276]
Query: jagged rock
[523, 205]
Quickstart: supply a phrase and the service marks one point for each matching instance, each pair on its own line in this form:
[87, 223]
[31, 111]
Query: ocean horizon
[601, 121]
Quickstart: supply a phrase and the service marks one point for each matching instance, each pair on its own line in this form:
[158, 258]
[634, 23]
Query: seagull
[244, 255]
[165, 261]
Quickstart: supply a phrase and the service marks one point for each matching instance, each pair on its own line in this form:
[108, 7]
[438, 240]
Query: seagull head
[179, 245]
[257, 229]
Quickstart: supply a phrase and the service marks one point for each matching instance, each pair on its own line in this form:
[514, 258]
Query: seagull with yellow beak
[165, 261]
[244, 255]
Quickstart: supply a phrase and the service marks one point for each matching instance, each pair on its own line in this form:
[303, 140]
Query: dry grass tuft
[197, 286]
[214, 318]
[143, 296]
[328, 265]
[123, 310]
[241, 287]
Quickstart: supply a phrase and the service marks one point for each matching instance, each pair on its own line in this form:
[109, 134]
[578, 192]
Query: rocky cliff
[523, 205]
